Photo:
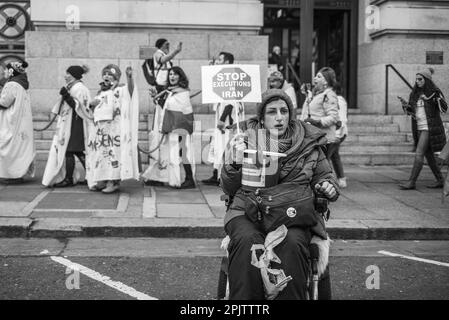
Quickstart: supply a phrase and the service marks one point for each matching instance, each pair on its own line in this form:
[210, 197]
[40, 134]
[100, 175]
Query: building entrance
[329, 39]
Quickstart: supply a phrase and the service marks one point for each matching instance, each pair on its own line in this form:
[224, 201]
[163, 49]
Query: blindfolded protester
[71, 135]
[112, 144]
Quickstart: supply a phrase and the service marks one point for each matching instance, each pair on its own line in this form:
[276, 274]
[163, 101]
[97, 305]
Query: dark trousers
[333, 155]
[245, 280]
[70, 162]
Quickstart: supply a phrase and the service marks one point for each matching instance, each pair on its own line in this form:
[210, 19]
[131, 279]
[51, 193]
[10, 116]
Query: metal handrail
[387, 83]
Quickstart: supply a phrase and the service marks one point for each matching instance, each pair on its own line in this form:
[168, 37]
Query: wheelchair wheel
[222, 279]
[324, 286]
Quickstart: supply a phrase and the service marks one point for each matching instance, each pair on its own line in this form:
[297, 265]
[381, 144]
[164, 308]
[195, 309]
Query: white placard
[231, 82]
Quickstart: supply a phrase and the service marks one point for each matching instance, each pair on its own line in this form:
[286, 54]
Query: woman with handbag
[321, 106]
[280, 201]
[173, 124]
[426, 102]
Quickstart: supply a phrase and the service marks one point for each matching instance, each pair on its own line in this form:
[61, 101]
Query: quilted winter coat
[305, 164]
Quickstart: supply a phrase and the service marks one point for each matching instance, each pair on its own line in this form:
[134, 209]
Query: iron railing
[387, 67]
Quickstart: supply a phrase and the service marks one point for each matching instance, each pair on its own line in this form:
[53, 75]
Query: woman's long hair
[183, 80]
[428, 89]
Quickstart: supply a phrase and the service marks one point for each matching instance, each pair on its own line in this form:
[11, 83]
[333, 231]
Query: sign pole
[236, 104]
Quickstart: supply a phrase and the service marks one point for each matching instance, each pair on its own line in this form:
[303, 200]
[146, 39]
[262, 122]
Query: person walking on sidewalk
[225, 115]
[176, 129]
[17, 150]
[425, 104]
[321, 106]
[341, 134]
[113, 144]
[71, 134]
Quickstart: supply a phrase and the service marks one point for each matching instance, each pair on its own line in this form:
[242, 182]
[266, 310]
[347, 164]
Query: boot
[436, 172]
[67, 182]
[411, 183]
[188, 183]
[212, 181]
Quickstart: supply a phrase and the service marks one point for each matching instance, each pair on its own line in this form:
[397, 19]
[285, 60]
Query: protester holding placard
[113, 144]
[225, 115]
[174, 127]
[278, 208]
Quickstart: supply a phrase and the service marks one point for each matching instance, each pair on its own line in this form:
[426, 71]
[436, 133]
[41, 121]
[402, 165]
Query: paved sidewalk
[372, 207]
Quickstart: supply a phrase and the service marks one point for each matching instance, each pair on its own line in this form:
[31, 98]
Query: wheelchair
[318, 285]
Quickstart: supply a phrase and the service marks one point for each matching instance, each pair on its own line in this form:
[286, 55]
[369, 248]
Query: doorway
[334, 41]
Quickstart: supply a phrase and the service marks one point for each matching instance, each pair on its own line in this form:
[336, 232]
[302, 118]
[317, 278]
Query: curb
[212, 232]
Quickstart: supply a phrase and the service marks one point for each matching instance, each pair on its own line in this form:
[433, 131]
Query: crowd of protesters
[100, 131]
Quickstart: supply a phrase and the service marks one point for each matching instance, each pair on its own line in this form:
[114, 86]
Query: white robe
[165, 161]
[17, 149]
[113, 144]
[55, 168]
[219, 141]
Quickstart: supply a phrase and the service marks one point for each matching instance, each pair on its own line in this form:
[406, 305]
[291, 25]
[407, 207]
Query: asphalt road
[183, 270]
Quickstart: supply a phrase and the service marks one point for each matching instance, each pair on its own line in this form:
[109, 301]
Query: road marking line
[29, 208]
[438, 263]
[103, 279]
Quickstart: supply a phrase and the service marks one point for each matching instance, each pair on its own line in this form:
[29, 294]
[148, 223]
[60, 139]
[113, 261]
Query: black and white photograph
[224, 154]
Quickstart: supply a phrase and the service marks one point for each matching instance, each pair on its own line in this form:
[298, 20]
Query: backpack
[148, 71]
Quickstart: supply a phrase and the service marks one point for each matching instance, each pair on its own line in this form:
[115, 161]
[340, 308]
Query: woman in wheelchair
[274, 169]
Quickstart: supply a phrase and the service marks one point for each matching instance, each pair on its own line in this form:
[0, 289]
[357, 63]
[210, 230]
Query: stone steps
[372, 140]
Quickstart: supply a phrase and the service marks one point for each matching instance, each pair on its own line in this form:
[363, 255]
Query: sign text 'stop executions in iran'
[231, 83]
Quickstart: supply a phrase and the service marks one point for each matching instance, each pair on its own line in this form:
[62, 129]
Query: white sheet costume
[220, 139]
[17, 149]
[55, 169]
[171, 123]
[112, 145]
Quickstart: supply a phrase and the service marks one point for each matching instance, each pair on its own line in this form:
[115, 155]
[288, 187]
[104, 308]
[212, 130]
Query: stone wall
[49, 53]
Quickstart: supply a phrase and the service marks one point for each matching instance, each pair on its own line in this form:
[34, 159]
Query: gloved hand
[326, 189]
[64, 92]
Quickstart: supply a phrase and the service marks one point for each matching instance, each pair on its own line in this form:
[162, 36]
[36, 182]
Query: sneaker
[342, 183]
[111, 187]
[98, 187]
